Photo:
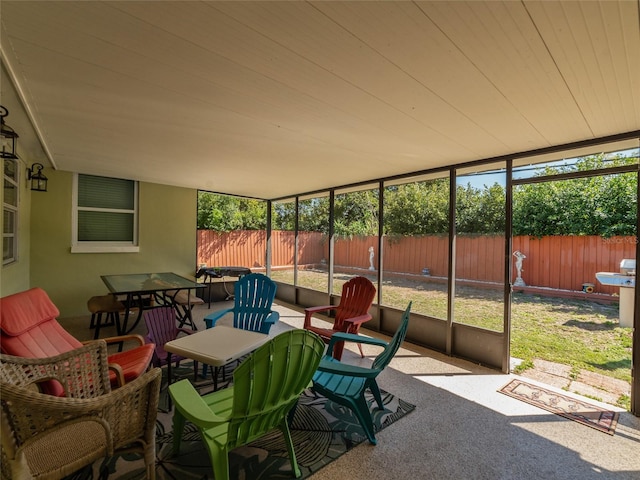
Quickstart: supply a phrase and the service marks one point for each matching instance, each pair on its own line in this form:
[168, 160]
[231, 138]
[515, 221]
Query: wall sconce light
[8, 137]
[38, 180]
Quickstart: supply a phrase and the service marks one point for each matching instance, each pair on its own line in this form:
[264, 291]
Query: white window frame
[102, 247]
[13, 233]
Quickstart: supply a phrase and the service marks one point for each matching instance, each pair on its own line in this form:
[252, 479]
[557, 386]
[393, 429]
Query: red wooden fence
[558, 262]
[246, 248]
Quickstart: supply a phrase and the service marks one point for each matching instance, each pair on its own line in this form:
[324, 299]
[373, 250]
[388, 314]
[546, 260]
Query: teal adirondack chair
[254, 294]
[346, 384]
[266, 386]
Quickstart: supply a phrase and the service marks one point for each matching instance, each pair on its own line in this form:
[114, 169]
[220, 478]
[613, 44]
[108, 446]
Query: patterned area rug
[322, 431]
[563, 405]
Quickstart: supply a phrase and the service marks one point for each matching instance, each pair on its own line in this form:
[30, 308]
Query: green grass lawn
[579, 333]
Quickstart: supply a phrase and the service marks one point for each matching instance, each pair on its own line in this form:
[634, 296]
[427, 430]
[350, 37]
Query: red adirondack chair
[350, 313]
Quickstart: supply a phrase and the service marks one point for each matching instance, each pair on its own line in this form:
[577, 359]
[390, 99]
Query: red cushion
[22, 311]
[29, 327]
[47, 340]
[134, 362]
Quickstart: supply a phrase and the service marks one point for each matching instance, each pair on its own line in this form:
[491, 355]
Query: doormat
[322, 431]
[577, 410]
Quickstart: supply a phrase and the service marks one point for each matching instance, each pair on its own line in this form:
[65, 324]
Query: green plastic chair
[346, 384]
[266, 386]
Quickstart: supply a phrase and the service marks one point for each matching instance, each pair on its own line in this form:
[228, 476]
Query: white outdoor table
[217, 346]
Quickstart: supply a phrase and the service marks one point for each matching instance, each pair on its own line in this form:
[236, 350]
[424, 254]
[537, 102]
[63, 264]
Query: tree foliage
[480, 211]
[225, 213]
[356, 213]
[604, 205]
[314, 215]
[418, 208]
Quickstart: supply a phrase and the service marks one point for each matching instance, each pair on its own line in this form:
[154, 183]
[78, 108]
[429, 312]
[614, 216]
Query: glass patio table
[161, 287]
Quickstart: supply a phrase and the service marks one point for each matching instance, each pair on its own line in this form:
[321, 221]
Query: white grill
[628, 266]
[626, 280]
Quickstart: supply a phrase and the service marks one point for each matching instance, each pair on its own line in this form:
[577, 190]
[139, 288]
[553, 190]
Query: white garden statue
[371, 252]
[519, 258]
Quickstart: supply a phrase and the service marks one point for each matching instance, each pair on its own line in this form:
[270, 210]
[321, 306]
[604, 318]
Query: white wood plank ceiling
[269, 99]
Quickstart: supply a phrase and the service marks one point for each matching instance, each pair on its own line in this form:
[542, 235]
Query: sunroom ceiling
[269, 99]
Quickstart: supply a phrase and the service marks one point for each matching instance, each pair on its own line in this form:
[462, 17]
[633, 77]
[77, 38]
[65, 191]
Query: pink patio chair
[162, 328]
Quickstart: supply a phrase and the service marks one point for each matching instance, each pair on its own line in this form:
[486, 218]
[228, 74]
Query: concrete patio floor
[462, 428]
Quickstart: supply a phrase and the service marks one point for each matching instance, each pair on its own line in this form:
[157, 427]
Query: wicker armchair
[48, 437]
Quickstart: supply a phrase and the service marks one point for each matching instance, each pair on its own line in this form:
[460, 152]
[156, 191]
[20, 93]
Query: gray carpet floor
[462, 428]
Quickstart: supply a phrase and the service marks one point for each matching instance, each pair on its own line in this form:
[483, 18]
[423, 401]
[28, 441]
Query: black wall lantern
[38, 180]
[8, 137]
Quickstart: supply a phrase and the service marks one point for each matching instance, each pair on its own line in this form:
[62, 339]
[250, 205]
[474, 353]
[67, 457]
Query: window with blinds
[105, 214]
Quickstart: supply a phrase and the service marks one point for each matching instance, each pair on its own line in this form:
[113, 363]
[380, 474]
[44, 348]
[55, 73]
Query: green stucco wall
[167, 239]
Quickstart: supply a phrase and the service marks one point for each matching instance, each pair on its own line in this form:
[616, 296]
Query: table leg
[121, 329]
[210, 284]
[168, 379]
[224, 285]
[188, 313]
[140, 309]
[183, 312]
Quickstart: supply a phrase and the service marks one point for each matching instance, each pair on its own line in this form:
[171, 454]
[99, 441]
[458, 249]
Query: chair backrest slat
[161, 324]
[383, 359]
[268, 383]
[357, 297]
[254, 295]
[162, 327]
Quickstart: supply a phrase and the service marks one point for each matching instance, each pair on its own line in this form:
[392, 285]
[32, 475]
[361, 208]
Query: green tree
[314, 215]
[480, 211]
[605, 205]
[420, 208]
[284, 216]
[356, 213]
[225, 213]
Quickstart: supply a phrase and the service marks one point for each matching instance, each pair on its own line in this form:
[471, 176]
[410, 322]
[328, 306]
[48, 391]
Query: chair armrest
[82, 372]
[211, 319]
[136, 409]
[272, 318]
[186, 331]
[191, 406]
[114, 367]
[308, 312]
[354, 338]
[321, 308]
[359, 319]
[123, 338]
[118, 372]
[139, 339]
[330, 365]
[268, 322]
